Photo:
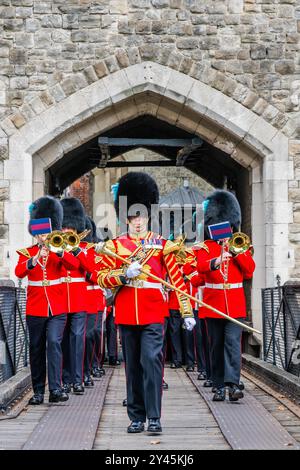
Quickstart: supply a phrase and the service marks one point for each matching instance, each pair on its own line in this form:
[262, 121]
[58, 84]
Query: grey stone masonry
[245, 52]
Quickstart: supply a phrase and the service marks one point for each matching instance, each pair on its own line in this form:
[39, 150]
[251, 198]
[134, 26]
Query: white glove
[189, 323]
[99, 247]
[133, 270]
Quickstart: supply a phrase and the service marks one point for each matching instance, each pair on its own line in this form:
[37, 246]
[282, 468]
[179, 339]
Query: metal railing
[281, 326]
[13, 334]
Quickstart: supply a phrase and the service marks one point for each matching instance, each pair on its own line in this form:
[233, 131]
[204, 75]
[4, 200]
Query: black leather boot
[235, 393]
[208, 383]
[67, 388]
[154, 426]
[124, 402]
[78, 389]
[165, 386]
[88, 381]
[219, 394]
[201, 376]
[135, 427]
[37, 399]
[56, 396]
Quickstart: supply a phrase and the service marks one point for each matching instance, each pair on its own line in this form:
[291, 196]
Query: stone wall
[247, 49]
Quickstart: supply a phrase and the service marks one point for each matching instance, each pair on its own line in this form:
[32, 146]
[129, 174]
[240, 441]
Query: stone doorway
[253, 153]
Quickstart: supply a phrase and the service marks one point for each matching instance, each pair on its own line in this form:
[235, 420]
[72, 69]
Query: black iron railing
[13, 334]
[281, 326]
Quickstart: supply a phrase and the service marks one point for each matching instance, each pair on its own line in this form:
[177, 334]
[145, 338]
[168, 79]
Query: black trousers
[143, 349]
[89, 342]
[111, 337]
[225, 348]
[189, 347]
[166, 326]
[45, 338]
[73, 348]
[175, 324]
[202, 345]
[98, 342]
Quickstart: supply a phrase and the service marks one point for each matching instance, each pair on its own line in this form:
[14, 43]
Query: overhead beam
[136, 142]
[125, 164]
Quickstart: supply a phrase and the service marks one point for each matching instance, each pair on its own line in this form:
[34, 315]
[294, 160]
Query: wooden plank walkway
[187, 421]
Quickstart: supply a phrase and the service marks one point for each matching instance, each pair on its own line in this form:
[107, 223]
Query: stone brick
[119, 7]
[122, 58]
[90, 74]
[52, 21]
[187, 43]
[258, 51]
[101, 69]
[57, 92]
[24, 12]
[8, 12]
[160, 3]
[285, 67]
[18, 120]
[111, 64]
[19, 83]
[24, 40]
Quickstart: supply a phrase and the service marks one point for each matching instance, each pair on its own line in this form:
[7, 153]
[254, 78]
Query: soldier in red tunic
[75, 287]
[227, 295]
[45, 306]
[95, 299]
[140, 306]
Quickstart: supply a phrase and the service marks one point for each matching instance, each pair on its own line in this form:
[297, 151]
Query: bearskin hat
[47, 207]
[140, 188]
[74, 214]
[221, 206]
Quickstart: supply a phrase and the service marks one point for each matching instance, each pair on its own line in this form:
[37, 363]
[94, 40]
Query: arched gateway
[155, 90]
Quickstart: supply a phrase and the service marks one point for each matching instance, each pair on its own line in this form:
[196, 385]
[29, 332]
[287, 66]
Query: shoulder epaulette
[24, 252]
[89, 245]
[201, 246]
[109, 244]
[170, 247]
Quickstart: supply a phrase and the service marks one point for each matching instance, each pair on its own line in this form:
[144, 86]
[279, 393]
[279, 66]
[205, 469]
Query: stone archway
[150, 88]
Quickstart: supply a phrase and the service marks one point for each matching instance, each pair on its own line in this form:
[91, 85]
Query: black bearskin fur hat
[47, 207]
[222, 206]
[140, 188]
[74, 214]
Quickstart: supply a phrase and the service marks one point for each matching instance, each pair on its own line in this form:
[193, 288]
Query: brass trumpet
[239, 243]
[72, 239]
[55, 241]
[58, 241]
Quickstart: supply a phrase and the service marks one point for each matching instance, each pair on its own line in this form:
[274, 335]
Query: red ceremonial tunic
[44, 299]
[95, 299]
[75, 287]
[138, 305]
[194, 280]
[231, 300]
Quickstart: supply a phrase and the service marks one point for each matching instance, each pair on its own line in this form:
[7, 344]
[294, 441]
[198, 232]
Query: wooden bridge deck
[188, 423]
[186, 420]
